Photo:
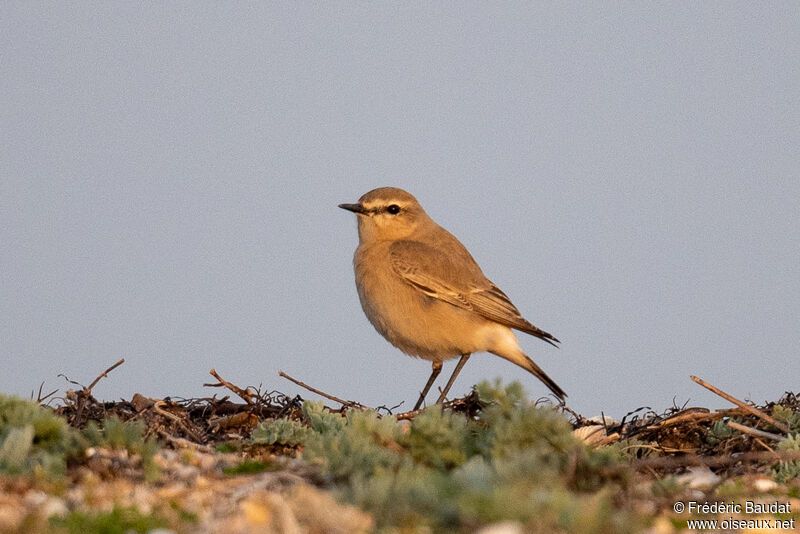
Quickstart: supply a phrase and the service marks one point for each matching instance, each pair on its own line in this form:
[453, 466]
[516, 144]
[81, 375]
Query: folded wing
[457, 280]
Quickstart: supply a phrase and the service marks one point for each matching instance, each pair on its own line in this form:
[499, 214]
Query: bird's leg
[437, 368]
[459, 365]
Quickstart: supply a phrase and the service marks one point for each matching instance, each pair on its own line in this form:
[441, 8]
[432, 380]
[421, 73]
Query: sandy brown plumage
[423, 291]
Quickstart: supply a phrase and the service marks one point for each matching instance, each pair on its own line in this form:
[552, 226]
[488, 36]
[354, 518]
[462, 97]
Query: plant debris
[257, 459]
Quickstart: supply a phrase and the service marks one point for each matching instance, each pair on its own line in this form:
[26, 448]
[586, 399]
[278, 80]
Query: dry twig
[39, 398]
[755, 432]
[245, 394]
[349, 404]
[103, 375]
[86, 392]
[692, 414]
[184, 443]
[741, 404]
[716, 461]
[469, 405]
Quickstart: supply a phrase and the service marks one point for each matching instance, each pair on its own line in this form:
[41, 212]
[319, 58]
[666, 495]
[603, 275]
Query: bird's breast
[412, 321]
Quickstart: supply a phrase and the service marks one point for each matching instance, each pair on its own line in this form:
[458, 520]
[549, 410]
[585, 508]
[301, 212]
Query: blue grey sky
[628, 173]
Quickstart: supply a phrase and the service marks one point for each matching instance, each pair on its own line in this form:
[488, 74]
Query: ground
[490, 462]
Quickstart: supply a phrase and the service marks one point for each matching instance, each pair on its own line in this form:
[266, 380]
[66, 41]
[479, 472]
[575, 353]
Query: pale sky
[629, 174]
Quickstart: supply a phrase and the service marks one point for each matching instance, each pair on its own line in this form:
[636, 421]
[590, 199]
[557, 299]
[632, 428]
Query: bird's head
[388, 214]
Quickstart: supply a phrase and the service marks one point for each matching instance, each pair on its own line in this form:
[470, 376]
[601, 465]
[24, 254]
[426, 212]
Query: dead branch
[741, 404]
[39, 398]
[86, 393]
[349, 404]
[157, 408]
[691, 415]
[755, 432]
[237, 420]
[103, 375]
[244, 394]
[466, 404]
[671, 462]
[184, 443]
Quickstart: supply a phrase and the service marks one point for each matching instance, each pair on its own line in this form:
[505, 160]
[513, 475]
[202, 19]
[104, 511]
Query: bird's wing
[455, 278]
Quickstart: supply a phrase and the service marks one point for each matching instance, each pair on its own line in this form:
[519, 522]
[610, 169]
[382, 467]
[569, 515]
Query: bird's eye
[394, 209]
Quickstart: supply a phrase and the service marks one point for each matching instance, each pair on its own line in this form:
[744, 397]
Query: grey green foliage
[280, 432]
[32, 438]
[788, 416]
[788, 470]
[128, 435]
[627, 450]
[449, 473]
[720, 430]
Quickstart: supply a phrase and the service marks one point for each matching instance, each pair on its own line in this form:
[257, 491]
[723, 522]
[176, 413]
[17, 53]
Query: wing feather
[457, 280]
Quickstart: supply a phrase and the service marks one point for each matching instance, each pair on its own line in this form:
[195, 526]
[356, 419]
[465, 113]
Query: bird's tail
[528, 328]
[521, 359]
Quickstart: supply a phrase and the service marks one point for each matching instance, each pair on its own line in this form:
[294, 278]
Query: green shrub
[280, 432]
[786, 415]
[114, 433]
[117, 521]
[249, 467]
[446, 472]
[33, 438]
[786, 471]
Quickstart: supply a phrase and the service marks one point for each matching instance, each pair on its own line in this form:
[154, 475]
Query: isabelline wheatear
[421, 289]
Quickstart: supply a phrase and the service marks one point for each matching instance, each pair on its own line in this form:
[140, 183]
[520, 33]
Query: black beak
[355, 208]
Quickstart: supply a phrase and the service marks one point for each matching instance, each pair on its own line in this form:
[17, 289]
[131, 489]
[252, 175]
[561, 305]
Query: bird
[422, 290]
